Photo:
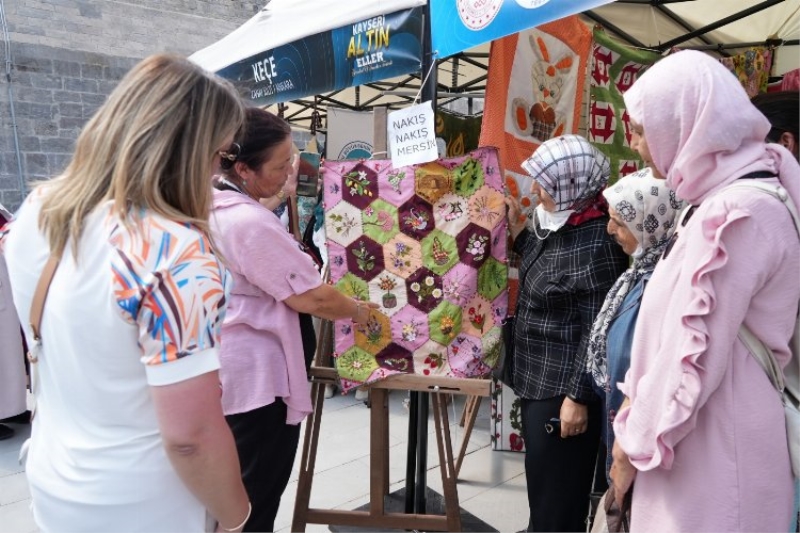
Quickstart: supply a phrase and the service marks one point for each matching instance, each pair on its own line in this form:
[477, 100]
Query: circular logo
[355, 150]
[477, 14]
[531, 4]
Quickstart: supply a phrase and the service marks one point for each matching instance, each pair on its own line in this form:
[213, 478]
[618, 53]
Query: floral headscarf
[570, 170]
[649, 210]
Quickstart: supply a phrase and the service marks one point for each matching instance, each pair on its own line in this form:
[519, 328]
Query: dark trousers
[558, 471]
[267, 447]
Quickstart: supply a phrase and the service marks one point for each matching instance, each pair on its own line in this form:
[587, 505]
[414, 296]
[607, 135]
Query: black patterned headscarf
[650, 211]
[570, 170]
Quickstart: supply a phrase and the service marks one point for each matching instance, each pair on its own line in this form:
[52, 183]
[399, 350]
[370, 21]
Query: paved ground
[491, 484]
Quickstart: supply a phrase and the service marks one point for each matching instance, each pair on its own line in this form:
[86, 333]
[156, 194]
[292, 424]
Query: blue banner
[370, 50]
[461, 24]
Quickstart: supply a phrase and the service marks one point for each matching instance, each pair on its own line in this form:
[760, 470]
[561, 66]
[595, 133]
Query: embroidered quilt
[751, 68]
[614, 68]
[428, 244]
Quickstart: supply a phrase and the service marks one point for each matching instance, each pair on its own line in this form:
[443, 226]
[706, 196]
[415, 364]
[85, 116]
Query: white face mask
[552, 221]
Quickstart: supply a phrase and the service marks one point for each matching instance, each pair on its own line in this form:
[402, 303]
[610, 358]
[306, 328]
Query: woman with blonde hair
[129, 432]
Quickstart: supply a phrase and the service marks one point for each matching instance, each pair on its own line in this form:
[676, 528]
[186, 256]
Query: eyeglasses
[229, 156]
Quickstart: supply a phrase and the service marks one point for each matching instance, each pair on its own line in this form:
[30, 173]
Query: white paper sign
[412, 138]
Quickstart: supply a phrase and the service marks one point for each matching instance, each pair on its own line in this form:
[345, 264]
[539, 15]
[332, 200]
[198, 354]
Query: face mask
[552, 221]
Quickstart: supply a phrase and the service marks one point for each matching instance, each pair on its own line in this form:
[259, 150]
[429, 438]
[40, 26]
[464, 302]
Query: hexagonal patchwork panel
[343, 224]
[365, 258]
[474, 245]
[468, 177]
[360, 185]
[427, 243]
[410, 328]
[439, 252]
[416, 218]
[424, 290]
[388, 289]
[402, 255]
[451, 213]
[444, 323]
[375, 335]
[379, 221]
[432, 181]
[396, 358]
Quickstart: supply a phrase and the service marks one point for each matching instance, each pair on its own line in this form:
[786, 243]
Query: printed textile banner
[534, 93]
[460, 24]
[459, 132]
[428, 244]
[751, 68]
[350, 134]
[614, 69]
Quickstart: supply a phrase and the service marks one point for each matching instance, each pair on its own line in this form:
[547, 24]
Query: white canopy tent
[720, 27]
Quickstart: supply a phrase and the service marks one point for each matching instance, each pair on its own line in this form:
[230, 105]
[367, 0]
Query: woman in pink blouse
[265, 393]
[703, 440]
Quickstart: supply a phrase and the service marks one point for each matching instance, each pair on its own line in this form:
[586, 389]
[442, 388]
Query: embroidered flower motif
[476, 246]
[410, 331]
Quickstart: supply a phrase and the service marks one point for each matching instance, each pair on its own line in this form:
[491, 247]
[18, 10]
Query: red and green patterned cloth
[614, 68]
[428, 244]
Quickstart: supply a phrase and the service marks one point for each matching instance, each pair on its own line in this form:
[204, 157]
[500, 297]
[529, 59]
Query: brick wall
[67, 55]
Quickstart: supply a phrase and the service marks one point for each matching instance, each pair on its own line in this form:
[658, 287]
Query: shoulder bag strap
[761, 351]
[40, 295]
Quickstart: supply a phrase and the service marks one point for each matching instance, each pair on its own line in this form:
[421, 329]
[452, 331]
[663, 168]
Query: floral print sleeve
[170, 284]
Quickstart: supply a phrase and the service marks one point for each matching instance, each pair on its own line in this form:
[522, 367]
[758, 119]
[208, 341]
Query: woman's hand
[622, 473]
[363, 311]
[516, 220]
[574, 418]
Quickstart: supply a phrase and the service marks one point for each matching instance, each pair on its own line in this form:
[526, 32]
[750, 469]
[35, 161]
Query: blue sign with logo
[461, 24]
[369, 50]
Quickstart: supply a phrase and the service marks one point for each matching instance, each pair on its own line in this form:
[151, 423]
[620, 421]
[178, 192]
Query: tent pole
[422, 401]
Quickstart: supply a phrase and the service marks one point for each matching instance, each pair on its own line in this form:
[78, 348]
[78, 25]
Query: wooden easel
[322, 374]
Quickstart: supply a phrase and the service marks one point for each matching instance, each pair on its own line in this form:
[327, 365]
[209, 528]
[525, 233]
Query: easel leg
[379, 451]
[308, 459]
[468, 417]
[446, 465]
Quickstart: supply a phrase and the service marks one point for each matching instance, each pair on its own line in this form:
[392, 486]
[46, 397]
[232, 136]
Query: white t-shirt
[138, 308]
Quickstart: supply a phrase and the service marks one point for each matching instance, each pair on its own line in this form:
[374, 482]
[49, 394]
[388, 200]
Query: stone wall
[67, 55]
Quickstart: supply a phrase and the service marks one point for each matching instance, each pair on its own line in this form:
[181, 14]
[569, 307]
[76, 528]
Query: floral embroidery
[343, 224]
[395, 180]
[476, 246]
[400, 256]
[387, 284]
[358, 183]
[410, 331]
[364, 259]
[426, 289]
[476, 318]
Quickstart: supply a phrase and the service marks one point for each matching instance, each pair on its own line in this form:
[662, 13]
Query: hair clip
[232, 153]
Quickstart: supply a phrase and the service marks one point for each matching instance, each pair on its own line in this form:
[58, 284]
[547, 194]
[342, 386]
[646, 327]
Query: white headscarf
[649, 210]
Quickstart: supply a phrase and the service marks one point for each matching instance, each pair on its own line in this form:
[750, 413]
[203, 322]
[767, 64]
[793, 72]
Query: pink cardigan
[261, 351]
